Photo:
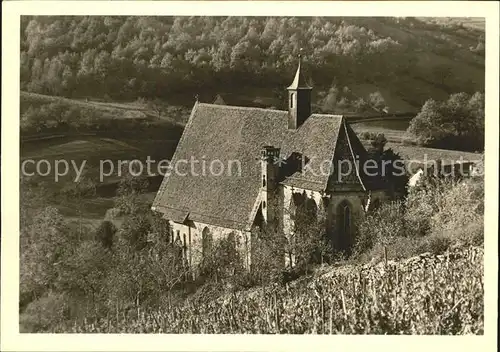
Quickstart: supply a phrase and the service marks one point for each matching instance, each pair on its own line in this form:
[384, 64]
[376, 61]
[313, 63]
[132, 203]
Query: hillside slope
[428, 294]
[408, 60]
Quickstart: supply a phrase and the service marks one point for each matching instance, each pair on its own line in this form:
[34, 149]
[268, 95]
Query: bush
[112, 213]
[437, 215]
[395, 248]
[380, 227]
[460, 213]
[435, 243]
[46, 312]
[105, 233]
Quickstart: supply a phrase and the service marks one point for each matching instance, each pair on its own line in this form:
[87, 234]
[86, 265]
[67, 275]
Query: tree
[105, 233]
[455, 123]
[135, 230]
[156, 105]
[77, 191]
[268, 255]
[330, 101]
[224, 260]
[378, 144]
[376, 100]
[395, 174]
[380, 227]
[47, 242]
[129, 188]
[83, 274]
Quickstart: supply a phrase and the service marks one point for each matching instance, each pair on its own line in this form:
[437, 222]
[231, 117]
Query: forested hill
[404, 60]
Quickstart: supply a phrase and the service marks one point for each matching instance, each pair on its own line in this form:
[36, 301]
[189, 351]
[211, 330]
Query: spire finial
[196, 97]
[299, 81]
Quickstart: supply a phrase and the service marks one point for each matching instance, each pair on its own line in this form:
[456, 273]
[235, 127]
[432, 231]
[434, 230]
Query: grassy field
[34, 99]
[471, 22]
[393, 129]
[421, 153]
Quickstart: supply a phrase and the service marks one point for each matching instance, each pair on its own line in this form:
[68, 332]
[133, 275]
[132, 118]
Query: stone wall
[191, 236]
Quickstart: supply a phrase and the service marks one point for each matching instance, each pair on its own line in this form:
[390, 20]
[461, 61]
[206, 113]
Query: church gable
[346, 164]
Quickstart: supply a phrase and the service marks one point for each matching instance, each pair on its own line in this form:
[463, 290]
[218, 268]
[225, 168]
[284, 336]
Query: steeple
[299, 98]
[299, 82]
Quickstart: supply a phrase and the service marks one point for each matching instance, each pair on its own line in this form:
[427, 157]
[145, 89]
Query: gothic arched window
[347, 220]
[344, 225]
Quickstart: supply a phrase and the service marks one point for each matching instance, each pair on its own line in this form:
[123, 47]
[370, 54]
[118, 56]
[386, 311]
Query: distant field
[79, 148]
[421, 153]
[34, 99]
[393, 129]
[117, 110]
[471, 22]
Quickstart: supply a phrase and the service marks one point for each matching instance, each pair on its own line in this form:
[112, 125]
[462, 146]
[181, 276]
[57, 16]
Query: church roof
[232, 137]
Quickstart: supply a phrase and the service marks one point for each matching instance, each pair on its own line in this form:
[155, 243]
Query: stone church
[269, 162]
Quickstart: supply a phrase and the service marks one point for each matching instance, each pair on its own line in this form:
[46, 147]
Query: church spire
[299, 99]
[299, 82]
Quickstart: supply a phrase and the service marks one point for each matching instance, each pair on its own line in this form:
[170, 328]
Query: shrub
[112, 213]
[435, 243]
[105, 233]
[459, 213]
[46, 312]
[438, 214]
[380, 227]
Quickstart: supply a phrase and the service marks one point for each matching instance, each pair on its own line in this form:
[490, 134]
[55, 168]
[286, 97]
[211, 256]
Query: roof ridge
[235, 107]
[327, 115]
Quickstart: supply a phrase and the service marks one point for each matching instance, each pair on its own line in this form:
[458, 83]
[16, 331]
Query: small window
[347, 219]
[263, 180]
[185, 245]
[292, 98]
[264, 205]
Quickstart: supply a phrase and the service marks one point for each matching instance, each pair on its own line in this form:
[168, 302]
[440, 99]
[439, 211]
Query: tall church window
[184, 246]
[206, 238]
[263, 180]
[347, 220]
[292, 98]
[344, 226]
